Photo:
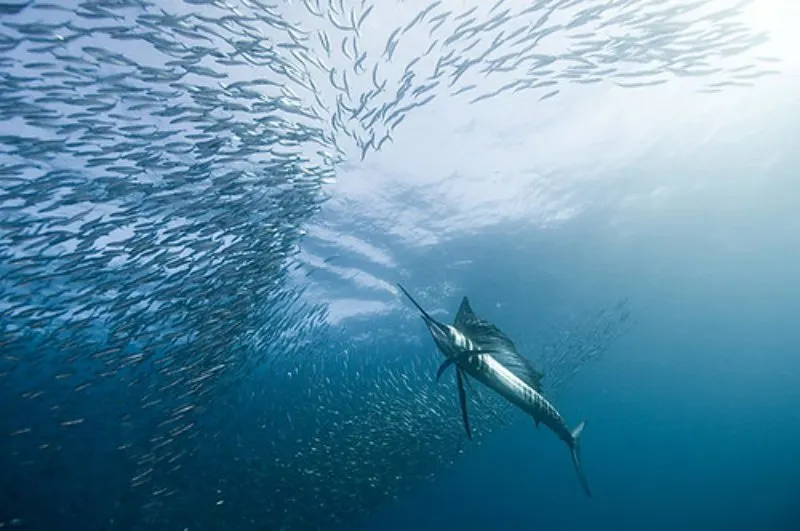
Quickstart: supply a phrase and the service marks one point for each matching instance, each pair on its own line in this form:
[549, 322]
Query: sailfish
[478, 349]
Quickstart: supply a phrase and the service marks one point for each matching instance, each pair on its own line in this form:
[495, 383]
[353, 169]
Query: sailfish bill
[479, 349]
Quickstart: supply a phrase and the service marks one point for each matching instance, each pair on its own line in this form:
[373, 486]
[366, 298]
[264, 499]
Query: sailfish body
[479, 349]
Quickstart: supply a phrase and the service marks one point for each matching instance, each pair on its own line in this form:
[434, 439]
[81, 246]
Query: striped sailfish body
[477, 348]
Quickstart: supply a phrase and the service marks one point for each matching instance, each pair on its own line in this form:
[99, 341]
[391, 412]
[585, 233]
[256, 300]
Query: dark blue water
[205, 208]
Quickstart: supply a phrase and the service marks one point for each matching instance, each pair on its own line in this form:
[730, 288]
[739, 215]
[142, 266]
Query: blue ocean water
[206, 206]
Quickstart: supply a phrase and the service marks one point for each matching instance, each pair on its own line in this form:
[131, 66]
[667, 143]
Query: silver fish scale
[156, 164]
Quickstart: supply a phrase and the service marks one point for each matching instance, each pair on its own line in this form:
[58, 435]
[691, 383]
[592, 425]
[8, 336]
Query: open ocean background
[205, 207]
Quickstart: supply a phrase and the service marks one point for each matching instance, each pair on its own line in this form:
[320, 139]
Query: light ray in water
[158, 161]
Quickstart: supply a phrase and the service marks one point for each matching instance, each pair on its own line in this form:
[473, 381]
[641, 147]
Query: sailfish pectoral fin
[443, 367]
[461, 357]
[462, 398]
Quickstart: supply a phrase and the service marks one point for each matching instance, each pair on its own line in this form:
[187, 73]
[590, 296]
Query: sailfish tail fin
[575, 448]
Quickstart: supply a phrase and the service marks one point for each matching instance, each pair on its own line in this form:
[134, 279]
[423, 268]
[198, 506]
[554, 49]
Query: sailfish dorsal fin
[465, 314]
[487, 337]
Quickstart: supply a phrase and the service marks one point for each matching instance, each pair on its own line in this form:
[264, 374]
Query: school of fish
[158, 161]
